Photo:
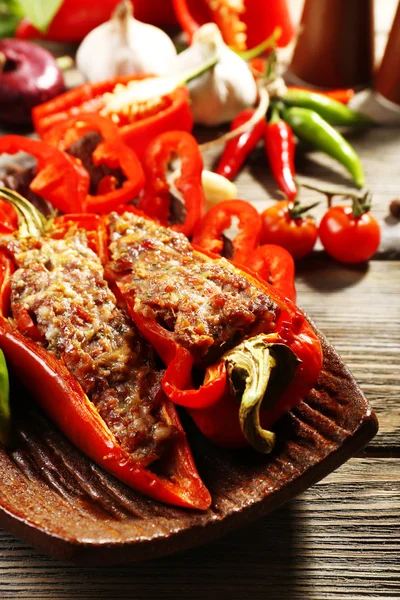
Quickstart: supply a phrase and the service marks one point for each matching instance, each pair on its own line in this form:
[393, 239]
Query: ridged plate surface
[56, 499]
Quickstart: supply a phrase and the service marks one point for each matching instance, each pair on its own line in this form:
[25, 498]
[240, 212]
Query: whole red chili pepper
[8, 218]
[59, 178]
[137, 127]
[208, 233]
[112, 152]
[280, 146]
[156, 199]
[60, 393]
[274, 265]
[238, 149]
[193, 307]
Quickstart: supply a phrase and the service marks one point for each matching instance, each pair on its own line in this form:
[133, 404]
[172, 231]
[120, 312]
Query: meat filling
[60, 284]
[208, 304]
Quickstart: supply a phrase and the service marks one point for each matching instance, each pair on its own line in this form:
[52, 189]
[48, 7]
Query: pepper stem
[31, 223]
[259, 372]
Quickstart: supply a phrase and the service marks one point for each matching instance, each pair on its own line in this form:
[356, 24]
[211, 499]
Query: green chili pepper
[311, 128]
[334, 112]
[5, 413]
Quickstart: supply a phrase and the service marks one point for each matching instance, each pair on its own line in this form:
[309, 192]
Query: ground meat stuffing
[208, 304]
[60, 283]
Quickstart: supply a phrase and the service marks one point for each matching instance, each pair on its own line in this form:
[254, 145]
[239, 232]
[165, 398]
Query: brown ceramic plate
[56, 499]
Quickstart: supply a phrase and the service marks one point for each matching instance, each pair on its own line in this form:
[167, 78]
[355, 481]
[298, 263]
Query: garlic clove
[217, 188]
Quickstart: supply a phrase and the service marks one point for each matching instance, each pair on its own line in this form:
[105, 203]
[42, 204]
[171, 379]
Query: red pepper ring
[112, 152]
[274, 265]
[208, 232]
[155, 201]
[59, 179]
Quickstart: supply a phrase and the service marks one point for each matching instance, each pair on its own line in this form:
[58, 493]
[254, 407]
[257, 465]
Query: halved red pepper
[274, 265]
[170, 112]
[156, 199]
[212, 405]
[59, 179]
[112, 152]
[208, 233]
[243, 24]
[62, 398]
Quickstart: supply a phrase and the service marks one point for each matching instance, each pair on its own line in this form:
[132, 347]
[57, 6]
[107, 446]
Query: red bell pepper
[208, 233]
[212, 404]
[112, 152]
[61, 396]
[243, 24]
[156, 199]
[238, 149]
[280, 147]
[76, 18]
[170, 112]
[274, 265]
[59, 179]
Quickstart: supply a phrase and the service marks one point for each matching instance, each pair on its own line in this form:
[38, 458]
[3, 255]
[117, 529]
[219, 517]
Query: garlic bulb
[124, 46]
[220, 94]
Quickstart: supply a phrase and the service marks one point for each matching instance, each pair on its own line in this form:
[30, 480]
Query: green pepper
[5, 413]
[334, 112]
[310, 127]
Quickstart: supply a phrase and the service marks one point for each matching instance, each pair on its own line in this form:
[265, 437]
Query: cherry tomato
[296, 235]
[347, 238]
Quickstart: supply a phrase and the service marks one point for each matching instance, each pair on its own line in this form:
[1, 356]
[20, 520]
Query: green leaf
[10, 16]
[40, 12]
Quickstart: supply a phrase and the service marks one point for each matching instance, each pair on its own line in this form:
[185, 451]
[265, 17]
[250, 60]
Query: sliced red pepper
[112, 152]
[62, 398]
[243, 24]
[238, 149]
[156, 199]
[280, 147]
[208, 233]
[59, 179]
[172, 112]
[274, 265]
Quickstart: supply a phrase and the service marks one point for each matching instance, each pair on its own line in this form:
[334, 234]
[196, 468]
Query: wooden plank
[340, 540]
[358, 309]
